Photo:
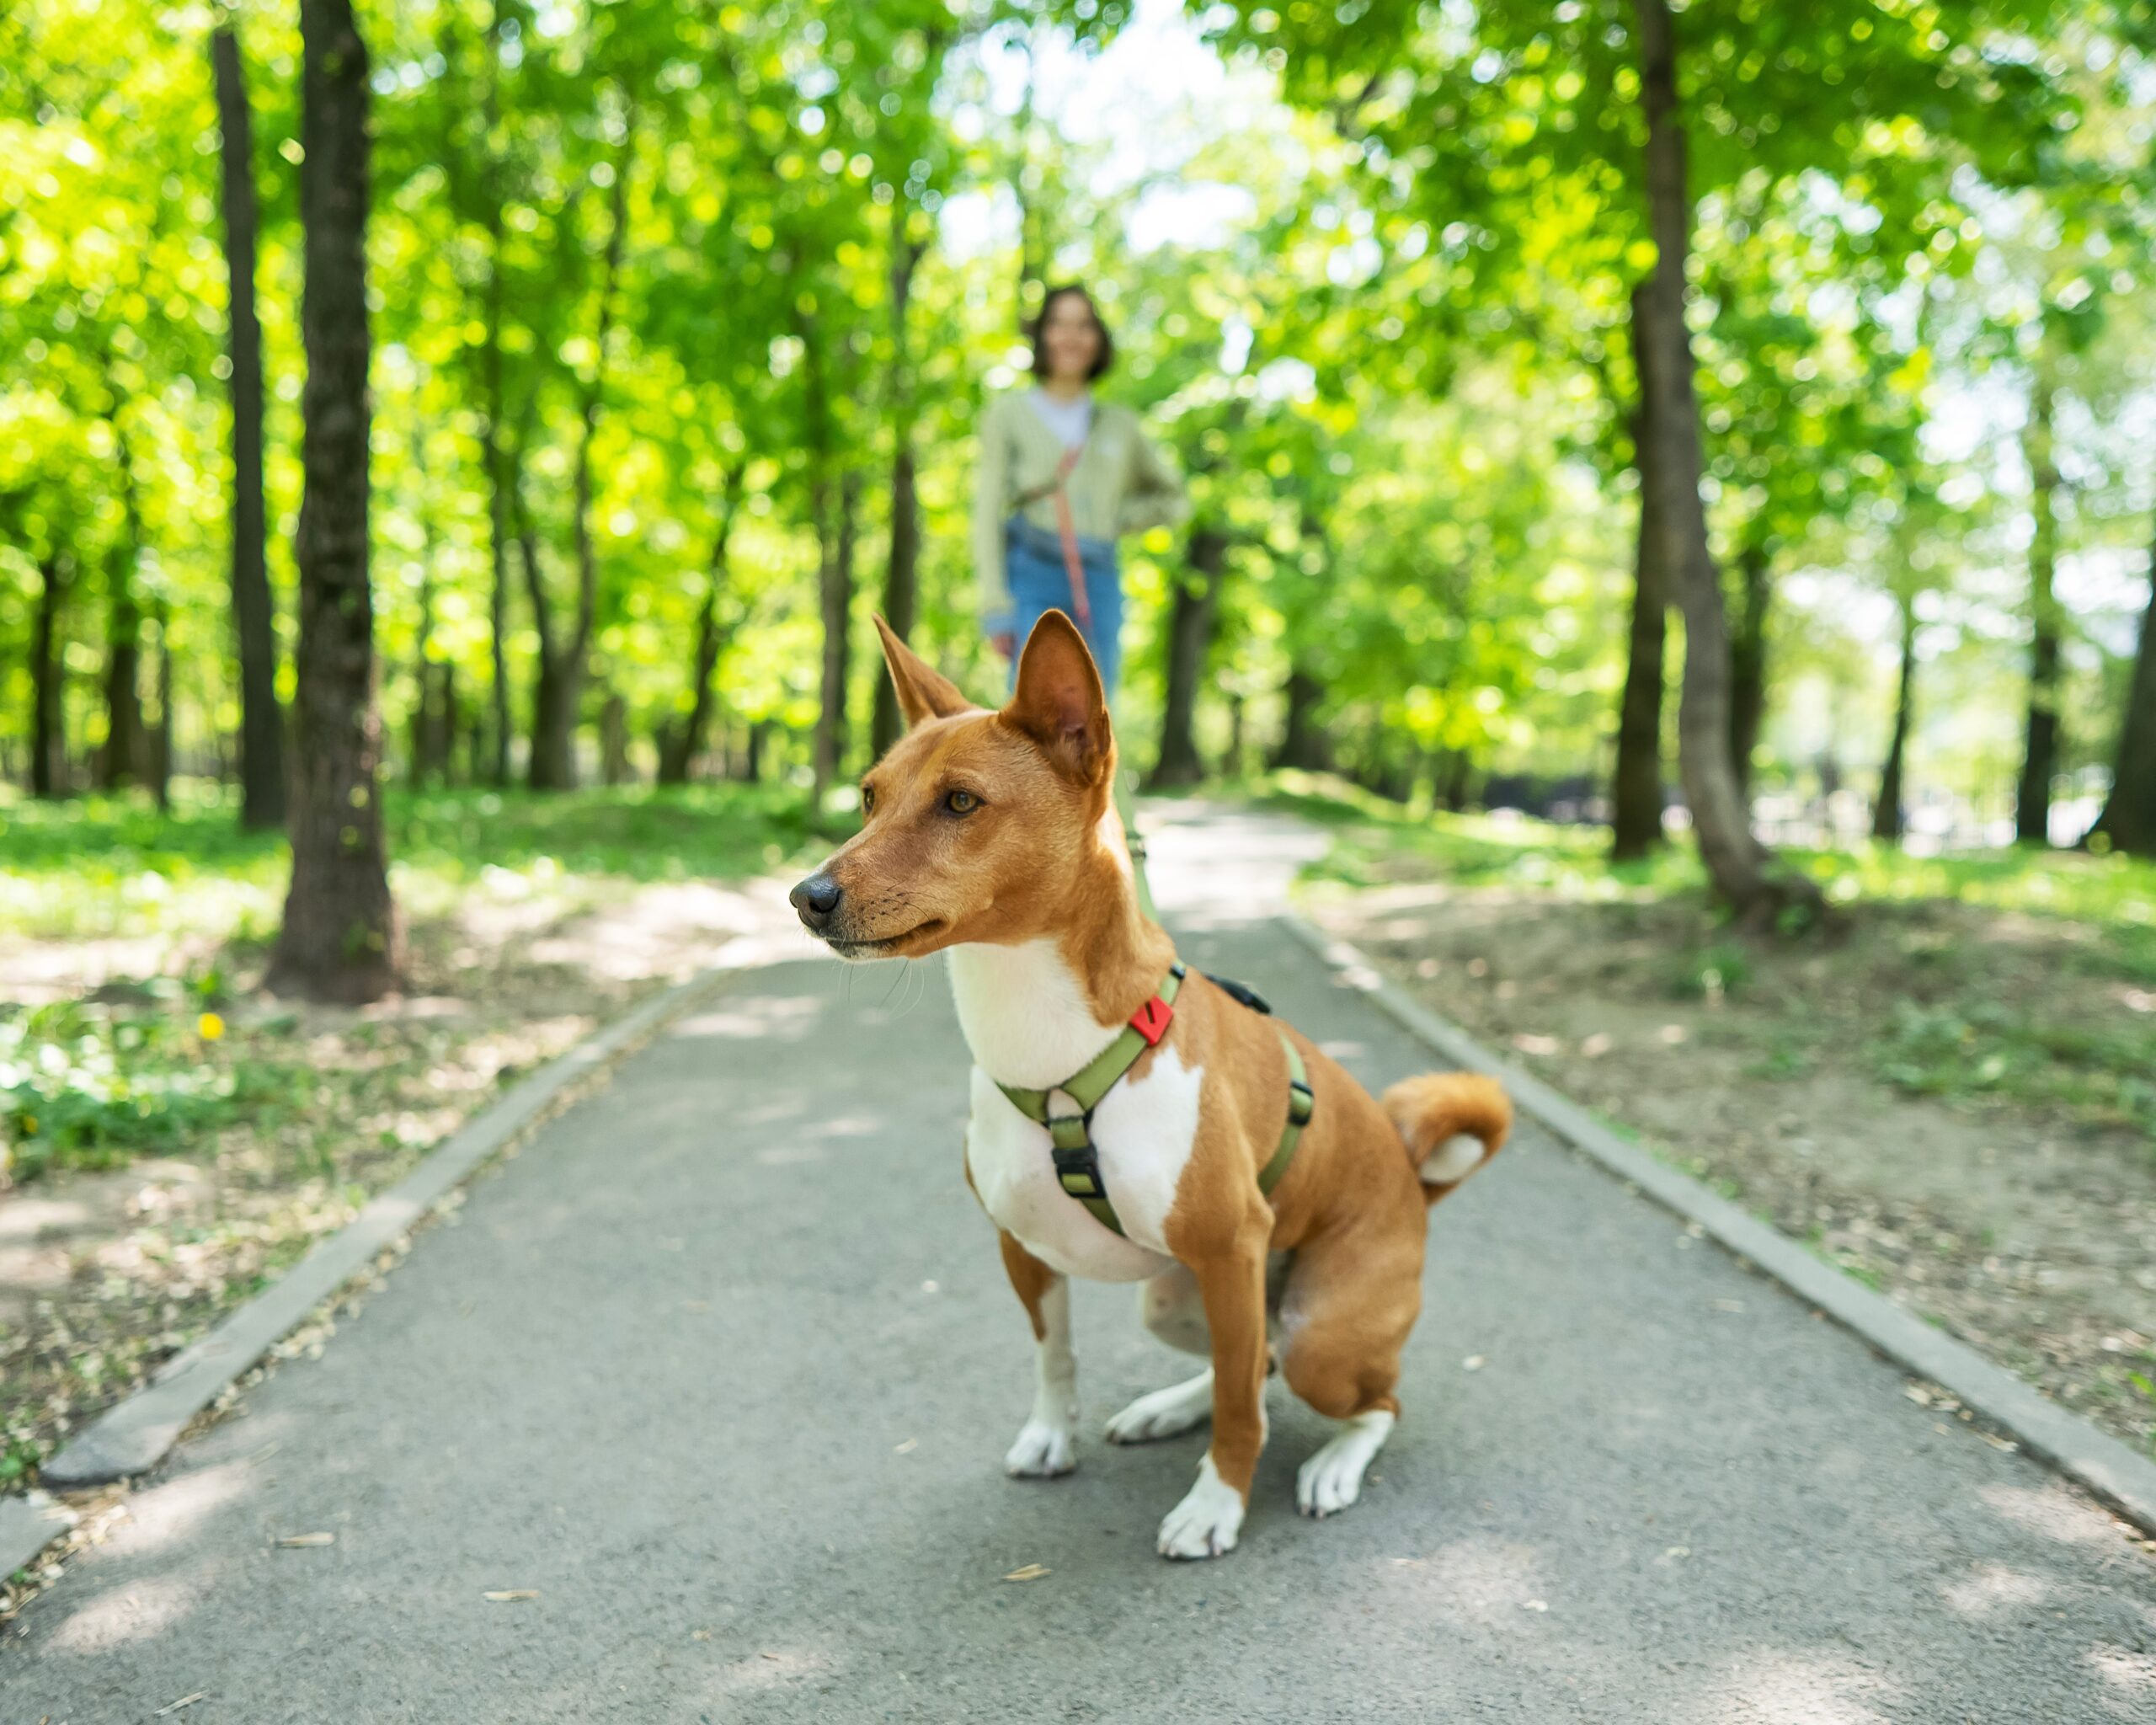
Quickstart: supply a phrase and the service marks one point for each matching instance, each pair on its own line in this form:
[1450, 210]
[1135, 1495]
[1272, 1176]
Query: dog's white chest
[1143, 1133]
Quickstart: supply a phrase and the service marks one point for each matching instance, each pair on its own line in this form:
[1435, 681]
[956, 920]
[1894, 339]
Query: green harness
[1077, 1164]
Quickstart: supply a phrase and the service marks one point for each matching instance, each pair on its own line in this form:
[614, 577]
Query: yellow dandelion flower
[210, 1027]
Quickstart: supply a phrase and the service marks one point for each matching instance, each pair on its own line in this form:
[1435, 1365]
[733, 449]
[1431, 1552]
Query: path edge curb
[136, 1433]
[2123, 1481]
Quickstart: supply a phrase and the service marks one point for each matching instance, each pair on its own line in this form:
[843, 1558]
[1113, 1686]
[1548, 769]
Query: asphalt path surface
[720, 1369]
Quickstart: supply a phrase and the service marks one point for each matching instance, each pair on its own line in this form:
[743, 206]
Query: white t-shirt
[1070, 420]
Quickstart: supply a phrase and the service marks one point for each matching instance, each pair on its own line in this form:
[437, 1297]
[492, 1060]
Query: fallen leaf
[186, 1700]
[1597, 1045]
[1536, 1605]
[1676, 1552]
[908, 1447]
[2005, 1444]
[294, 1541]
[1729, 1305]
[1472, 1363]
[1917, 1394]
[514, 1592]
[699, 1635]
[1032, 1572]
[1538, 1044]
[1672, 1034]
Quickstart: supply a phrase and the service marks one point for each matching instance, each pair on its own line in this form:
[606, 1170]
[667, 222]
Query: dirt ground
[2021, 1217]
[106, 1273]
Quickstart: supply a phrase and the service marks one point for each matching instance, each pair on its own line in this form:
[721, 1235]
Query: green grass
[1907, 988]
[1375, 840]
[115, 868]
[144, 1066]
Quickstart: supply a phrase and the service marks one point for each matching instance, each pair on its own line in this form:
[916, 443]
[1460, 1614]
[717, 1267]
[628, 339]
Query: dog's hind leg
[1045, 1445]
[1349, 1306]
[1165, 1414]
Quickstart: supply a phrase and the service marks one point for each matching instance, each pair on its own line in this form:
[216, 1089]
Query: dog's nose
[815, 898]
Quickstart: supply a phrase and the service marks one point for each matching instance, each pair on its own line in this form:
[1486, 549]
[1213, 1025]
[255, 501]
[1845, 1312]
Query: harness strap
[1071, 1136]
[1066, 532]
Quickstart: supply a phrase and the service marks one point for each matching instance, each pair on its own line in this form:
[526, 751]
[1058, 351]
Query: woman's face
[1071, 337]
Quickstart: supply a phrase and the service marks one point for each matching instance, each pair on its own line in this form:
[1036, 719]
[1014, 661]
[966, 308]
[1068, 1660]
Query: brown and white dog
[993, 836]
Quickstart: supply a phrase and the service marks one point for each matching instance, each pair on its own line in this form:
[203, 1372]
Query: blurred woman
[1062, 477]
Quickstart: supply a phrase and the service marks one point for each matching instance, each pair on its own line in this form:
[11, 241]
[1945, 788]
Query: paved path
[722, 1366]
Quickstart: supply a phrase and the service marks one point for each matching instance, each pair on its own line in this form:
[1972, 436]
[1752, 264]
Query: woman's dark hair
[1101, 360]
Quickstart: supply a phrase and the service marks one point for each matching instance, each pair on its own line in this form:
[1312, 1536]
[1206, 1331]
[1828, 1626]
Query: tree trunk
[48, 712]
[1887, 812]
[2129, 816]
[158, 737]
[262, 717]
[833, 572]
[2032, 804]
[684, 743]
[835, 590]
[565, 669]
[614, 768]
[1190, 633]
[1303, 741]
[1457, 780]
[125, 759]
[901, 581]
[1747, 667]
[490, 372]
[1635, 788]
[433, 739]
[1736, 861]
[341, 938]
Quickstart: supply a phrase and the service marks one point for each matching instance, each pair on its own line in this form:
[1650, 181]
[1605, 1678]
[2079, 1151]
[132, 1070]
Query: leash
[1066, 532]
[1077, 1160]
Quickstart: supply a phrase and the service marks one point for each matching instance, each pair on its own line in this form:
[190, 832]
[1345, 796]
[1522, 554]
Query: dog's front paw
[1042, 1451]
[1206, 1523]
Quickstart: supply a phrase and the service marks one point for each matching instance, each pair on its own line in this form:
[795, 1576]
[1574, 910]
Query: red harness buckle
[1150, 1021]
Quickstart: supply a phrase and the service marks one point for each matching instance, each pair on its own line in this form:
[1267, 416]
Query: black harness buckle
[1302, 1102]
[1081, 1164]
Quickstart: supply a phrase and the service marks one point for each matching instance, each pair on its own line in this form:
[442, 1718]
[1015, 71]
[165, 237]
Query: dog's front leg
[1231, 1282]
[1045, 1446]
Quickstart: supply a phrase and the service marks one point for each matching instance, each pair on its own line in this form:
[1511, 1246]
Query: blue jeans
[1033, 564]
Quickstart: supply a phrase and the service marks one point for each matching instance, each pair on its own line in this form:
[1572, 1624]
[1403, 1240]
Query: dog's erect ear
[924, 692]
[1059, 702]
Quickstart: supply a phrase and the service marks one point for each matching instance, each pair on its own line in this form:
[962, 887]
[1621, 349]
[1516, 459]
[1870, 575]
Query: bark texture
[48, 712]
[1190, 637]
[261, 716]
[1747, 664]
[498, 482]
[684, 742]
[901, 578]
[2032, 802]
[340, 936]
[2129, 816]
[565, 659]
[1635, 787]
[1737, 863]
[1887, 812]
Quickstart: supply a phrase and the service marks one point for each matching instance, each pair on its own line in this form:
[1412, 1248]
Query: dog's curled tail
[1452, 1123]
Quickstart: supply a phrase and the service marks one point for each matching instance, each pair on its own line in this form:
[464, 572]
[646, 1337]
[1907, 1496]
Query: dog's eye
[961, 802]
[867, 800]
